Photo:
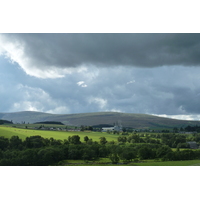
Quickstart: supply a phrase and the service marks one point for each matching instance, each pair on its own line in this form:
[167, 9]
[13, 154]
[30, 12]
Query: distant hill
[139, 121]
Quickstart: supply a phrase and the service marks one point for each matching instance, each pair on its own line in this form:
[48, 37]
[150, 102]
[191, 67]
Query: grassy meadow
[107, 162]
[8, 131]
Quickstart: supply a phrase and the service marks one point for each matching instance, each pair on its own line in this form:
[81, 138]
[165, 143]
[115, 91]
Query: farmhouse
[193, 145]
[114, 128]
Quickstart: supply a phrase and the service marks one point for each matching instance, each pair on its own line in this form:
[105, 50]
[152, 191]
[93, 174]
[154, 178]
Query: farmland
[106, 162]
[8, 131]
[54, 144]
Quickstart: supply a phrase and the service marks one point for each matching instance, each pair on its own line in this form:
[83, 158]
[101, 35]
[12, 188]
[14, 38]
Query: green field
[8, 132]
[169, 163]
[107, 162]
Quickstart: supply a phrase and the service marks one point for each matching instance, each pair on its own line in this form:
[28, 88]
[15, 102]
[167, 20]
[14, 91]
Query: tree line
[39, 151]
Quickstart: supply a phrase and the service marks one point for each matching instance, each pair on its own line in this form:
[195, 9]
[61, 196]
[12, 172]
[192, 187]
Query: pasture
[8, 132]
[169, 163]
[107, 162]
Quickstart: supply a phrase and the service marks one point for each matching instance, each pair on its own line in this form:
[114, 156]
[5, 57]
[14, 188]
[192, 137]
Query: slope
[132, 120]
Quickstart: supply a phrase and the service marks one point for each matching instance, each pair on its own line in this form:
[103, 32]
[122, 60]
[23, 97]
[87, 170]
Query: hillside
[90, 119]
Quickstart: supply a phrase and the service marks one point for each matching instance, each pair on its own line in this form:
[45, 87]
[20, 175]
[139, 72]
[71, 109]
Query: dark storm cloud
[145, 50]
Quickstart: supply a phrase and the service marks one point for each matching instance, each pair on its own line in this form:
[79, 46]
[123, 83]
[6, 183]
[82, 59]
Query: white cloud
[81, 84]
[59, 110]
[36, 99]
[181, 117]
[24, 105]
[102, 103]
[114, 110]
[133, 81]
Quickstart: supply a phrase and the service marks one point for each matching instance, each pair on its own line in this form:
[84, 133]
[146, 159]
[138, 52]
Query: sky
[69, 73]
[65, 73]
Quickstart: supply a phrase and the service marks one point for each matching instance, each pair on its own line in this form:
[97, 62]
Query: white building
[114, 128]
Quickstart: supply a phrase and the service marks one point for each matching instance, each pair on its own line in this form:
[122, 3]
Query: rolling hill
[140, 121]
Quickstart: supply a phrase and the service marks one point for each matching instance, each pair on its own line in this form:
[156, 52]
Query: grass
[107, 162]
[169, 163]
[23, 133]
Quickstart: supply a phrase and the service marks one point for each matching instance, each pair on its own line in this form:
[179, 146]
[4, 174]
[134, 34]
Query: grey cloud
[145, 50]
[163, 90]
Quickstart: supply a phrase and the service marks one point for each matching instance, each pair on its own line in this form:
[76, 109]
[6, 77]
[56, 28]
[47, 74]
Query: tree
[175, 130]
[146, 152]
[127, 154]
[86, 139]
[162, 151]
[124, 129]
[4, 143]
[103, 140]
[90, 128]
[34, 142]
[50, 155]
[122, 139]
[54, 142]
[75, 139]
[114, 158]
[90, 142]
[82, 128]
[16, 143]
[75, 152]
[89, 154]
[134, 138]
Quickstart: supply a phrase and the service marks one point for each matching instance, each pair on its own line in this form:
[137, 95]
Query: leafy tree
[134, 138]
[114, 158]
[122, 139]
[16, 143]
[4, 143]
[82, 128]
[90, 128]
[75, 139]
[146, 152]
[175, 130]
[103, 151]
[50, 155]
[89, 154]
[162, 151]
[75, 152]
[34, 142]
[128, 154]
[103, 140]
[29, 157]
[90, 142]
[86, 139]
[54, 142]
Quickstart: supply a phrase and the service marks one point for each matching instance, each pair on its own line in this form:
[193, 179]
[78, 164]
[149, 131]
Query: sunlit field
[23, 133]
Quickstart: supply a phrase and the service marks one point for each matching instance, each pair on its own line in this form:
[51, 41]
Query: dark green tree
[103, 140]
[146, 152]
[122, 139]
[86, 139]
[4, 143]
[128, 154]
[114, 158]
[16, 143]
[75, 139]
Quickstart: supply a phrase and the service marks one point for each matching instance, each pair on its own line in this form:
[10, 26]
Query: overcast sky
[76, 73]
